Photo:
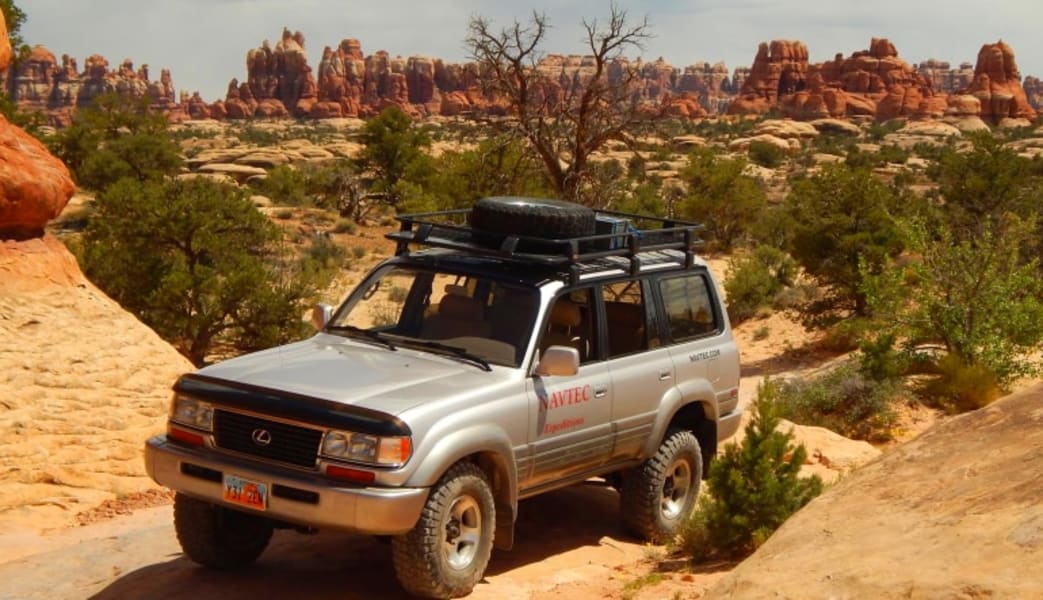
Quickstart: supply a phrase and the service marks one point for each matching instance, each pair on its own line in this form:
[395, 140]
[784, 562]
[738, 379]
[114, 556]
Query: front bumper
[299, 498]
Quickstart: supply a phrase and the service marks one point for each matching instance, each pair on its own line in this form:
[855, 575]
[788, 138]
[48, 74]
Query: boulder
[836, 126]
[34, 185]
[786, 129]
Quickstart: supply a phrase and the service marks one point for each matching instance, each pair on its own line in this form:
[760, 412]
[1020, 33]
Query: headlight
[193, 413]
[365, 448]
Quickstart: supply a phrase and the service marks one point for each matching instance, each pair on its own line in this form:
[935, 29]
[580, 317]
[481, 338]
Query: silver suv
[528, 345]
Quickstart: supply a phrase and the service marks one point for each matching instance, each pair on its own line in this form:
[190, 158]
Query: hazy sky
[204, 42]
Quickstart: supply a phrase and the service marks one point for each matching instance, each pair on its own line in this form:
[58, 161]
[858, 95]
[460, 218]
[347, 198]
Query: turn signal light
[355, 475]
[185, 437]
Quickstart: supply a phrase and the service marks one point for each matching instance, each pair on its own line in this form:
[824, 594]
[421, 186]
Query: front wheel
[446, 552]
[660, 494]
[218, 537]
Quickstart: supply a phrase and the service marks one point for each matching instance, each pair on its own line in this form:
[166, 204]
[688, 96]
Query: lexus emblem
[261, 437]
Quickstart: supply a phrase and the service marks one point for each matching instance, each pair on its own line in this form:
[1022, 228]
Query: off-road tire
[422, 556]
[532, 217]
[660, 494]
[218, 537]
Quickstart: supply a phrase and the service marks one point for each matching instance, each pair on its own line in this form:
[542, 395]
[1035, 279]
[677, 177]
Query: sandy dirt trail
[569, 544]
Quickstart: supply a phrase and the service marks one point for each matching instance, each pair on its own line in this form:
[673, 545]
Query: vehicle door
[641, 369]
[570, 427]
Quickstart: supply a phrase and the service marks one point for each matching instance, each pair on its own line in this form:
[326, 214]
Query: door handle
[664, 375]
[600, 391]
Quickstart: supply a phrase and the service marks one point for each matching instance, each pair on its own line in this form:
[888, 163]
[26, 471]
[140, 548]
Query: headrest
[565, 313]
[459, 307]
[455, 289]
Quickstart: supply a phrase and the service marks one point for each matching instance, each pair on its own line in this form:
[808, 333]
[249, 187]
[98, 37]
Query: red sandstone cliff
[997, 85]
[876, 83]
[344, 82]
[41, 83]
[870, 83]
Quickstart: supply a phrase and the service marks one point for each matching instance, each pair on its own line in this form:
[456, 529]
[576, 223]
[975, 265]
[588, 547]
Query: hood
[334, 368]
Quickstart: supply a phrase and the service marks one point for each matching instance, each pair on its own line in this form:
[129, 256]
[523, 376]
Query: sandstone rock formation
[779, 69]
[943, 78]
[871, 83]
[1034, 91]
[348, 83]
[954, 513]
[41, 83]
[997, 85]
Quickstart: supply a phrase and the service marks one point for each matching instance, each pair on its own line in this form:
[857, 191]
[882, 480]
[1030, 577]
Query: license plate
[245, 492]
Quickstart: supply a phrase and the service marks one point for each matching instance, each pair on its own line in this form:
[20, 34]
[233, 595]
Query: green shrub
[753, 487]
[959, 387]
[345, 226]
[766, 154]
[756, 281]
[843, 400]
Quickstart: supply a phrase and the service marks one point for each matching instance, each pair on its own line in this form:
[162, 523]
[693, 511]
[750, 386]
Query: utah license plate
[245, 492]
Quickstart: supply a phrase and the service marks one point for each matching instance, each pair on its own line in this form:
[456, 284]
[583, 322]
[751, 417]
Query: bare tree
[567, 114]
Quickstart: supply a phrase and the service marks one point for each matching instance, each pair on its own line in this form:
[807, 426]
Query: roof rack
[449, 229]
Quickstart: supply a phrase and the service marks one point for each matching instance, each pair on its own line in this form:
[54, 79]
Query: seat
[626, 327]
[562, 328]
[456, 316]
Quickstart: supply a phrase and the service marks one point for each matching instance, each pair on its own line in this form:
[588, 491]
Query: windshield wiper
[369, 334]
[450, 350]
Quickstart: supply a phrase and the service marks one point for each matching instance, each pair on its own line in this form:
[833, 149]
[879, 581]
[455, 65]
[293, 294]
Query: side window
[625, 318]
[571, 323]
[689, 311]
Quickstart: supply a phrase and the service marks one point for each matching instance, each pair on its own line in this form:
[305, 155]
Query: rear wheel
[446, 553]
[660, 494]
[217, 537]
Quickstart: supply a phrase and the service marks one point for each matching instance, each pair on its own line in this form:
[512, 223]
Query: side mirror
[320, 315]
[558, 361]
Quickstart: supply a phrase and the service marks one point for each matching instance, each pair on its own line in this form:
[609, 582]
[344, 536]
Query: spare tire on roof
[498, 216]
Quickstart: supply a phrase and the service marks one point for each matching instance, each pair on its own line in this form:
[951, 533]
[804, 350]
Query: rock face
[872, 83]
[943, 78]
[41, 82]
[779, 69]
[1034, 91]
[997, 85]
[954, 513]
[877, 84]
[348, 83]
[34, 186]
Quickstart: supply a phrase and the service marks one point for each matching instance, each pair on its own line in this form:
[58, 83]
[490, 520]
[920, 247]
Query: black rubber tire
[218, 537]
[651, 506]
[534, 217]
[421, 557]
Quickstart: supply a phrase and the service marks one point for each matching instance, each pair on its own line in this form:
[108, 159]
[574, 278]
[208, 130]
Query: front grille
[289, 444]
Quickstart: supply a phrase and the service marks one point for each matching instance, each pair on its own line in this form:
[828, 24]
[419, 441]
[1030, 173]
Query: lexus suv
[513, 348]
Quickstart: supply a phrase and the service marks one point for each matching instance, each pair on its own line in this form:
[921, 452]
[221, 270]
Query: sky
[204, 42]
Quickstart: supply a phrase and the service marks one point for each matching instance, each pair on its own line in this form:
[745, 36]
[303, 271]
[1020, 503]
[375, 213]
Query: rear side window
[688, 306]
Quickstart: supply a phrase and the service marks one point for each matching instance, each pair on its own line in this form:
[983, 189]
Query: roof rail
[449, 229]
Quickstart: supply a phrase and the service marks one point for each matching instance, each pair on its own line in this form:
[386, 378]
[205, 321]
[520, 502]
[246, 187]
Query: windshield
[486, 319]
